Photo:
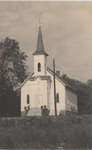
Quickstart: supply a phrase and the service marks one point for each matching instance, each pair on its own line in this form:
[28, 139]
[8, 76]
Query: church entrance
[39, 101]
[35, 109]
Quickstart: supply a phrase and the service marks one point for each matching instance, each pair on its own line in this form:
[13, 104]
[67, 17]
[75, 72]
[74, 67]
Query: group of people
[44, 111]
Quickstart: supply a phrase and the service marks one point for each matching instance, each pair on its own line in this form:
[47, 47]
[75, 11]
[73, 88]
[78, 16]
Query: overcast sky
[67, 32]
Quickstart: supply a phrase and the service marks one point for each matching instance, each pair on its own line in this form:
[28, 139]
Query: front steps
[33, 112]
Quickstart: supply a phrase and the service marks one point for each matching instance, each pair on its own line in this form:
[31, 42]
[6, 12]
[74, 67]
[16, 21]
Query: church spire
[40, 45]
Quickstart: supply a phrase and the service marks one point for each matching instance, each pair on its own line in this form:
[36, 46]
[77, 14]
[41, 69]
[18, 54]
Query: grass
[70, 131]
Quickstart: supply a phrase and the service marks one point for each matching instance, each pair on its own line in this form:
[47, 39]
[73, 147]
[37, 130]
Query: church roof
[40, 45]
[32, 78]
[63, 82]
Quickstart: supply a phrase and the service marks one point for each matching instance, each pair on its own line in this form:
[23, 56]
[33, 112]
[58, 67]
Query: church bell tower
[40, 57]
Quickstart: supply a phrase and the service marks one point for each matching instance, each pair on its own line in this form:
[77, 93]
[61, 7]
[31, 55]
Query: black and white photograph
[46, 75]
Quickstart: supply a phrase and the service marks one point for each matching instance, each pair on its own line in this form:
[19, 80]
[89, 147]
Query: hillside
[70, 131]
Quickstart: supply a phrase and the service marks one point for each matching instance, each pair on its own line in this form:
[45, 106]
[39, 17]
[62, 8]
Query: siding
[71, 100]
[60, 88]
[38, 93]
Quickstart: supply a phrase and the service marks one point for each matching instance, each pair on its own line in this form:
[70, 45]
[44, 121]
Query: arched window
[39, 67]
[28, 99]
[57, 96]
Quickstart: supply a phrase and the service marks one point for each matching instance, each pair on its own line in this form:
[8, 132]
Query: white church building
[39, 90]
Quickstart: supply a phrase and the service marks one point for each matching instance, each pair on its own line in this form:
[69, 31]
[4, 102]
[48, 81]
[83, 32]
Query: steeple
[40, 45]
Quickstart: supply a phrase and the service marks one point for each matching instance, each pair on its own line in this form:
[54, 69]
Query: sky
[66, 28]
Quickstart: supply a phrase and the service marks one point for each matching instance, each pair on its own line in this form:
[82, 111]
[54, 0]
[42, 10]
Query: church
[44, 88]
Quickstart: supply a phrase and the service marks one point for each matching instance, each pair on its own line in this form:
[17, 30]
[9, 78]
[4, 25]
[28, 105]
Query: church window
[39, 67]
[57, 97]
[28, 99]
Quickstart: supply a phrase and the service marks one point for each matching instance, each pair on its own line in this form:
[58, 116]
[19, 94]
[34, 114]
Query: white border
[46, 0]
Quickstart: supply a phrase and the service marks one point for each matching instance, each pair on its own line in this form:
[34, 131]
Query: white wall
[59, 89]
[38, 93]
[42, 93]
[67, 98]
[71, 100]
[42, 59]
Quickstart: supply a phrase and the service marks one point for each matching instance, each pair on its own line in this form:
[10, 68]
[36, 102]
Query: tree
[12, 63]
[84, 93]
[89, 83]
[12, 72]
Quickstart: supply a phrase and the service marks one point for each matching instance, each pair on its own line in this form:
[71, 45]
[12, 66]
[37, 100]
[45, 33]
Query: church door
[39, 101]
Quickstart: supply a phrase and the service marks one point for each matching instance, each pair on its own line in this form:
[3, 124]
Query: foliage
[12, 63]
[89, 83]
[84, 92]
[12, 73]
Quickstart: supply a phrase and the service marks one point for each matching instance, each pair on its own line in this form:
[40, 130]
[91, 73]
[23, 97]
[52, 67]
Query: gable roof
[56, 75]
[28, 78]
[60, 80]
[31, 78]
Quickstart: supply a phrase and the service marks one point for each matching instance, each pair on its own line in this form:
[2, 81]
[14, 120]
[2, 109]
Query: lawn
[70, 131]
